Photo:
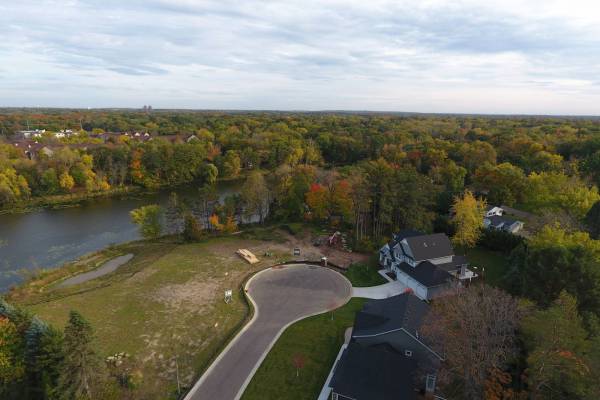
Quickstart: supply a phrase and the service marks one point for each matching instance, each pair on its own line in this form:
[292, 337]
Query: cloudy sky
[508, 56]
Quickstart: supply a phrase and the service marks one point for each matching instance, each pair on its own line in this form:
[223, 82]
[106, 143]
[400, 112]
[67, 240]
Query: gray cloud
[391, 55]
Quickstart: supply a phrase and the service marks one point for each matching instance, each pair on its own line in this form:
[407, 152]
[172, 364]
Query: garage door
[402, 277]
[421, 292]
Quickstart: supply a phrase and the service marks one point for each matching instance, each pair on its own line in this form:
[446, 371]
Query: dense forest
[397, 171]
[371, 175]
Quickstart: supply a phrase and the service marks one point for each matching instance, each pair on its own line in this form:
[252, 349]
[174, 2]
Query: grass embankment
[166, 302]
[318, 340]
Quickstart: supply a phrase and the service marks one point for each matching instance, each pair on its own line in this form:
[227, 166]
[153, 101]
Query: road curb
[255, 315]
[276, 338]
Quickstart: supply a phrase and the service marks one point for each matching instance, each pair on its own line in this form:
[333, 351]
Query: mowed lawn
[317, 340]
[365, 274]
[166, 304]
[494, 262]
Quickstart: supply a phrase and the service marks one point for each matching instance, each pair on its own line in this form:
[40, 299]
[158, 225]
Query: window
[408, 353]
[430, 383]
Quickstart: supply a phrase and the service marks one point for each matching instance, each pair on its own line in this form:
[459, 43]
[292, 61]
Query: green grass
[318, 340]
[166, 302]
[495, 263]
[364, 274]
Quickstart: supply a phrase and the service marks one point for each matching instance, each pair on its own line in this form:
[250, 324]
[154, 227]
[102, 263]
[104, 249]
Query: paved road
[106, 268]
[281, 295]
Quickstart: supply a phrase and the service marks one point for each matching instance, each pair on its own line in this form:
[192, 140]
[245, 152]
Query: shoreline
[67, 200]
[59, 201]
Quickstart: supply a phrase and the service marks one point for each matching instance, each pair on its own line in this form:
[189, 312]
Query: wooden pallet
[247, 255]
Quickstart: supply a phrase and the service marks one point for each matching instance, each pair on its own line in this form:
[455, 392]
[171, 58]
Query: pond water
[48, 238]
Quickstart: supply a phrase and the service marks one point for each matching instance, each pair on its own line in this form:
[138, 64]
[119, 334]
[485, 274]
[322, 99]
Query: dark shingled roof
[455, 264]
[374, 373]
[403, 234]
[426, 273]
[426, 247]
[498, 220]
[378, 316]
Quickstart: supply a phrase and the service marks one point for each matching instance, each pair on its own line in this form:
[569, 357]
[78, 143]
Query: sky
[499, 57]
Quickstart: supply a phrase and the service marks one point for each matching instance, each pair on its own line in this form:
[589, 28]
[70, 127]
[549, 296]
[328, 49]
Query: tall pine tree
[80, 369]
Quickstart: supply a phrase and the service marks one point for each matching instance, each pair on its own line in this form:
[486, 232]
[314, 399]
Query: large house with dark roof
[387, 358]
[374, 373]
[396, 321]
[424, 263]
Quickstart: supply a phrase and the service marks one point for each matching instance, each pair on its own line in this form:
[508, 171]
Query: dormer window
[408, 353]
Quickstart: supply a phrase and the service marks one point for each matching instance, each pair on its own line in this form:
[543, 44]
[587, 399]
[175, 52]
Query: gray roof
[497, 220]
[378, 316]
[426, 273]
[374, 373]
[427, 247]
[456, 263]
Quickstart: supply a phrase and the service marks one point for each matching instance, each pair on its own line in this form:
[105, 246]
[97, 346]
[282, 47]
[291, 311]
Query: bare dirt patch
[192, 295]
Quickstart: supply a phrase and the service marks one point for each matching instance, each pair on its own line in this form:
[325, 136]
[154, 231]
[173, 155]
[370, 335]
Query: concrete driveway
[281, 296]
[380, 292]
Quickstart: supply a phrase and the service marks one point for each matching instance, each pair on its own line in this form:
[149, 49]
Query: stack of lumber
[247, 255]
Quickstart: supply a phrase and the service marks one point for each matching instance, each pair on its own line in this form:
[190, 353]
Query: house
[32, 149]
[424, 263]
[386, 357]
[502, 224]
[373, 373]
[396, 321]
[493, 210]
[192, 138]
[32, 133]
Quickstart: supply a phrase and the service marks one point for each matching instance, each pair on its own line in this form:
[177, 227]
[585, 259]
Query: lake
[49, 238]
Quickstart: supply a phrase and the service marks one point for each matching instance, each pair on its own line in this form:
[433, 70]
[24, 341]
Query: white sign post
[228, 296]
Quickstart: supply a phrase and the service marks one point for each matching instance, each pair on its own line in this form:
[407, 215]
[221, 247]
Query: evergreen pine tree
[80, 367]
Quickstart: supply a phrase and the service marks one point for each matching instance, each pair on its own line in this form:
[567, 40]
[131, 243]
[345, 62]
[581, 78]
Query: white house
[424, 263]
[29, 134]
[502, 224]
[493, 210]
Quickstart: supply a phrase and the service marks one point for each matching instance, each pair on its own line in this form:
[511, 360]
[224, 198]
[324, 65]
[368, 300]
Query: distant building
[493, 210]
[494, 219]
[500, 223]
[37, 133]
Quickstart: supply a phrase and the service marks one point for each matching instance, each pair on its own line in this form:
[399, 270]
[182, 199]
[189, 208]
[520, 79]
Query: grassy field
[318, 340]
[166, 303]
[495, 264]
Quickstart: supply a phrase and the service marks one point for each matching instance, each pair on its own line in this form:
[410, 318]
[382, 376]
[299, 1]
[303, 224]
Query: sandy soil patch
[192, 295]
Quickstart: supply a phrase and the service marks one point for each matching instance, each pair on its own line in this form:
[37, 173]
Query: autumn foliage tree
[298, 361]
[475, 330]
[318, 201]
[467, 217]
[560, 363]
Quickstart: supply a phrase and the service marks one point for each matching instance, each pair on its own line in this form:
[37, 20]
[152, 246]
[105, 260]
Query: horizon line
[301, 111]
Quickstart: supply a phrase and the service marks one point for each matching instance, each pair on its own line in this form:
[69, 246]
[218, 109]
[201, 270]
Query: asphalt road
[281, 295]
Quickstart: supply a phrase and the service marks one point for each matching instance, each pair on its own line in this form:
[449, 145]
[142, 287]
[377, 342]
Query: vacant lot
[166, 304]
